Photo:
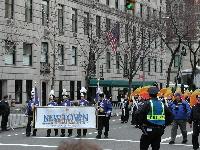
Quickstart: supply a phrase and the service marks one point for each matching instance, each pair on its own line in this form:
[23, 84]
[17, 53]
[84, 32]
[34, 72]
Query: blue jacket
[181, 110]
[67, 102]
[106, 105]
[83, 102]
[30, 103]
[52, 103]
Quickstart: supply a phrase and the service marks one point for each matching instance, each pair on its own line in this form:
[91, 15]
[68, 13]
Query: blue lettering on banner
[78, 118]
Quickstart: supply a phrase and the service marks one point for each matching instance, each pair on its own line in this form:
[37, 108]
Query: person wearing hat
[66, 102]
[82, 102]
[29, 112]
[152, 117]
[195, 119]
[52, 102]
[104, 109]
[181, 111]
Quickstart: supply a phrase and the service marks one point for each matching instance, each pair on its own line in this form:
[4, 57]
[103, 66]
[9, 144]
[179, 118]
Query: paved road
[121, 137]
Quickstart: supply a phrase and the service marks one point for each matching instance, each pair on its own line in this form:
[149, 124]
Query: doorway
[44, 93]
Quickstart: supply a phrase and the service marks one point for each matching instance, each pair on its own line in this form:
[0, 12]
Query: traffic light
[130, 4]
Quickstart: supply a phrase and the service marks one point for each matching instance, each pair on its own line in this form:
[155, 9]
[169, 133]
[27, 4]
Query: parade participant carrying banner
[52, 102]
[34, 101]
[66, 102]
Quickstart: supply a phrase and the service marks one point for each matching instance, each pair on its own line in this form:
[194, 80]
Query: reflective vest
[157, 113]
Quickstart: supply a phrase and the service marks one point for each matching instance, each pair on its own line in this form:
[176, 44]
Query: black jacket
[195, 114]
[142, 112]
[5, 108]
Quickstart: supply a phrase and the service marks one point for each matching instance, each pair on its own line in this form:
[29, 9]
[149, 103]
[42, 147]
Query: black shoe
[56, 134]
[84, 135]
[98, 137]
[69, 135]
[5, 130]
[27, 135]
[62, 135]
[78, 136]
[48, 135]
[184, 141]
[196, 148]
[171, 142]
[106, 137]
[34, 134]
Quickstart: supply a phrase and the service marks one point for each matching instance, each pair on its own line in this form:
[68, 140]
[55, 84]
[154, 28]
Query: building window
[176, 60]
[28, 10]
[161, 42]
[141, 10]
[27, 54]
[155, 40]
[9, 56]
[78, 89]
[61, 54]
[148, 13]
[72, 89]
[117, 60]
[28, 89]
[73, 56]
[44, 53]
[74, 20]
[126, 33]
[149, 65]
[108, 60]
[18, 91]
[149, 38]
[116, 4]
[155, 65]
[154, 14]
[45, 12]
[161, 66]
[9, 9]
[86, 23]
[107, 24]
[60, 90]
[125, 65]
[142, 63]
[98, 26]
[60, 18]
[108, 2]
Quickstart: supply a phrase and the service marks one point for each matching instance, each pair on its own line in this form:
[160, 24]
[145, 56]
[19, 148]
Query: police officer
[125, 109]
[104, 109]
[152, 117]
[66, 102]
[52, 103]
[82, 102]
[195, 118]
[29, 112]
[5, 113]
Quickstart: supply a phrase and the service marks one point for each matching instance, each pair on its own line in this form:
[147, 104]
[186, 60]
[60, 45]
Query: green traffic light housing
[129, 6]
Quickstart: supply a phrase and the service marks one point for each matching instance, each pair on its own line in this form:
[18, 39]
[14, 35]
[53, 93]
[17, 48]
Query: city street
[121, 137]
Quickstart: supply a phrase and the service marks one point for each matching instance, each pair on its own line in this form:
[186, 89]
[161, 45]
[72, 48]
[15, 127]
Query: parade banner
[65, 117]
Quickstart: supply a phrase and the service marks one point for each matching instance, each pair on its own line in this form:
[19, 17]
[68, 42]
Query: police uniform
[104, 109]
[5, 113]
[66, 102]
[195, 118]
[152, 117]
[29, 112]
[52, 103]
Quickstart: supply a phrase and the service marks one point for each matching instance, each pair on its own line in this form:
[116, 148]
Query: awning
[119, 83]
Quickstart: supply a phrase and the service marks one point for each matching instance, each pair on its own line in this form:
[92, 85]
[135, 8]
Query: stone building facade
[45, 43]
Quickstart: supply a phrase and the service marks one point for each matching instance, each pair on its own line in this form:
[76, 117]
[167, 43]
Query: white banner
[65, 117]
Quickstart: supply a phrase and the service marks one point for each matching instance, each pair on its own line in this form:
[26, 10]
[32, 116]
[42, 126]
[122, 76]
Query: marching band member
[83, 102]
[125, 109]
[104, 109]
[52, 103]
[29, 112]
[66, 102]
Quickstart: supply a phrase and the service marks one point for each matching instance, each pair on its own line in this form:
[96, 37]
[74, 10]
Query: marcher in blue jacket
[104, 109]
[181, 111]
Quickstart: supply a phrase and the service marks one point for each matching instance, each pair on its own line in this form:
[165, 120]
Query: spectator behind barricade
[78, 145]
[5, 113]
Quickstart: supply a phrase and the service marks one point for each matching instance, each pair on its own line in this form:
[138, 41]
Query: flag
[36, 98]
[113, 37]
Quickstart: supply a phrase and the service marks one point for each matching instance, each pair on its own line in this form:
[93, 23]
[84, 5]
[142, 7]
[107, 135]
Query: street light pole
[183, 53]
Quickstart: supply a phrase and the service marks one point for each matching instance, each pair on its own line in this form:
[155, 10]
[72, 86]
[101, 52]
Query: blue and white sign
[65, 117]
